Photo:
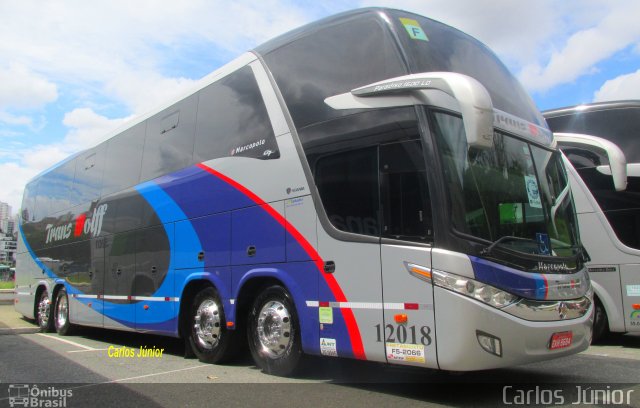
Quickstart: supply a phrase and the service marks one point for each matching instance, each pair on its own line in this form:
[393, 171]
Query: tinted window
[89, 170]
[348, 185]
[56, 193]
[626, 224]
[582, 156]
[233, 121]
[29, 201]
[442, 48]
[330, 62]
[370, 172]
[124, 155]
[621, 126]
[170, 136]
[405, 197]
[622, 208]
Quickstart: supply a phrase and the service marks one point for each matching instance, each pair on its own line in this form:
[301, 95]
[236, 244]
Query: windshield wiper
[500, 240]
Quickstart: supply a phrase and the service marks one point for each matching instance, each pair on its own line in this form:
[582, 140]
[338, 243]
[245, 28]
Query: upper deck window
[331, 61]
[233, 120]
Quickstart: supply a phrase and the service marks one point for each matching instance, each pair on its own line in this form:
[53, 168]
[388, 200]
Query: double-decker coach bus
[375, 185]
[604, 148]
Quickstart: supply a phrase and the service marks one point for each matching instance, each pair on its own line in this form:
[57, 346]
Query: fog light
[490, 344]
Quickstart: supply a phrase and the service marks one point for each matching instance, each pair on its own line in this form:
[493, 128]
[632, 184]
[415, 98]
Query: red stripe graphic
[82, 218]
[347, 314]
[546, 285]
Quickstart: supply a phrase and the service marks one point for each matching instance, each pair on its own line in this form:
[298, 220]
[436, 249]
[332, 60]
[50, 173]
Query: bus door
[406, 233]
[118, 281]
[350, 302]
[87, 306]
[373, 186]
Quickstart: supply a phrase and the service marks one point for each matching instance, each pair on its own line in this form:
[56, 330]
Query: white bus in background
[605, 181]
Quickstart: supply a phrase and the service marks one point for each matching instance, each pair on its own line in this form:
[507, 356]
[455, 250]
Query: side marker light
[401, 318]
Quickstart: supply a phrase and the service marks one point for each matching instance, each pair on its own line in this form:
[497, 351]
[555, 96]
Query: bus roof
[591, 107]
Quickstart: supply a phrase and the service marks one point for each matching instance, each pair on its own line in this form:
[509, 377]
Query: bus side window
[124, 158]
[348, 185]
[233, 120]
[405, 196]
[55, 193]
[585, 159]
[29, 202]
[370, 172]
[170, 135]
[89, 169]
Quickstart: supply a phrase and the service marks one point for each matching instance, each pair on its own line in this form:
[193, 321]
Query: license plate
[560, 340]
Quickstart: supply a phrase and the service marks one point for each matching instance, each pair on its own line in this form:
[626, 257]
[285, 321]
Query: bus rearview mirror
[443, 89]
[617, 161]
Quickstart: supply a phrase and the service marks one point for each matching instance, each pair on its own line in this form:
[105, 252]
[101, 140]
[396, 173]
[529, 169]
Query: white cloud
[13, 185]
[20, 88]
[623, 87]
[97, 43]
[546, 42]
[87, 128]
[112, 54]
[10, 119]
[143, 91]
[510, 28]
[585, 48]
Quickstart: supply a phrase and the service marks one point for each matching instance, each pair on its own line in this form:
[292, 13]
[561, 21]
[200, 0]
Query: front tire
[209, 338]
[274, 332]
[61, 314]
[600, 323]
[43, 313]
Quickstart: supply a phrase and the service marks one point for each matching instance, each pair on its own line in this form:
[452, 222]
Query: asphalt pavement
[89, 370]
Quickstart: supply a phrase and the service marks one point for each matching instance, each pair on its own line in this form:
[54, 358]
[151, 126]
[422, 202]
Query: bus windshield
[515, 195]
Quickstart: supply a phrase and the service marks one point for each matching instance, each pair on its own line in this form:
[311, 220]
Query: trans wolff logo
[83, 225]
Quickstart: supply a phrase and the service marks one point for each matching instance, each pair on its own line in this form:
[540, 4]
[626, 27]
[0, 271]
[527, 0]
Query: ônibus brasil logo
[82, 225]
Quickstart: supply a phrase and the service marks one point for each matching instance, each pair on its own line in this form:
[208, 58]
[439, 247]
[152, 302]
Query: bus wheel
[600, 323]
[61, 314]
[44, 312]
[209, 337]
[273, 332]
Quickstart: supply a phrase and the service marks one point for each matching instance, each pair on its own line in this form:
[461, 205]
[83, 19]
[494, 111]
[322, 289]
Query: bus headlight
[473, 289]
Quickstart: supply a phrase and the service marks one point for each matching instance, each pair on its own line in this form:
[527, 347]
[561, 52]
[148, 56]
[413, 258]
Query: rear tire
[43, 313]
[273, 332]
[209, 338]
[600, 323]
[61, 314]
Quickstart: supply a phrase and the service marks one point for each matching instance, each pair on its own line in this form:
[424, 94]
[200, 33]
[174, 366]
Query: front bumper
[458, 319]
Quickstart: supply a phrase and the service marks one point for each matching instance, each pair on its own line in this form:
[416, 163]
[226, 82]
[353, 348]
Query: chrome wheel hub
[43, 311]
[62, 311]
[274, 329]
[207, 324]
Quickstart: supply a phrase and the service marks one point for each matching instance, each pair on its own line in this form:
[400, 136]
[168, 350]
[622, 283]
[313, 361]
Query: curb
[6, 296]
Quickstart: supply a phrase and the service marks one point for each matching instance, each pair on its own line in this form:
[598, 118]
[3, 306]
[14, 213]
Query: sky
[72, 71]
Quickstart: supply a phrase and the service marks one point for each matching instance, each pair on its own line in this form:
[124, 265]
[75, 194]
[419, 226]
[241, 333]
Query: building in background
[5, 211]
[8, 229]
